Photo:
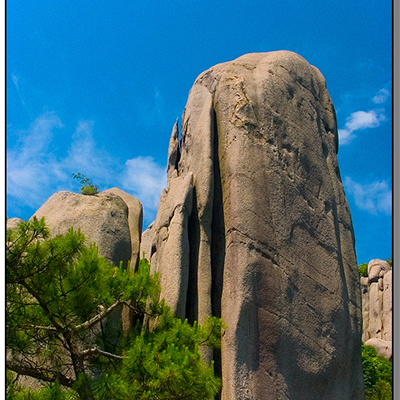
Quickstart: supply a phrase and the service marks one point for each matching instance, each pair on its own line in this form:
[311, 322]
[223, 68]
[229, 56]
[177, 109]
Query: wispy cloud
[86, 157]
[30, 165]
[381, 96]
[35, 171]
[374, 197]
[15, 81]
[144, 179]
[360, 120]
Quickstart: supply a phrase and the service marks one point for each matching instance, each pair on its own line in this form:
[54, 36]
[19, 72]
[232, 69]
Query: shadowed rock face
[254, 227]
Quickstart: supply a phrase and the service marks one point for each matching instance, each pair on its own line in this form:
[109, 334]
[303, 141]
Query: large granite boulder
[377, 300]
[254, 227]
[112, 219]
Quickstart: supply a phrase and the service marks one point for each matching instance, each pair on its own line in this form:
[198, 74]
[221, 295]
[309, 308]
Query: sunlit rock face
[377, 300]
[112, 219]
[254, 227]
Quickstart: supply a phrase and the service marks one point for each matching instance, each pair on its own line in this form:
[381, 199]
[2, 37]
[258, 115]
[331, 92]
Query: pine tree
[60, 298]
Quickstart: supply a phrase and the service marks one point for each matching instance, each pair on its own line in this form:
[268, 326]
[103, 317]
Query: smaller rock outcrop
[112, 219]
[13, 222]
[377, 307]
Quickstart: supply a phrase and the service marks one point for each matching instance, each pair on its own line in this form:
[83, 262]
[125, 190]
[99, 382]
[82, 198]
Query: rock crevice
[238, 156]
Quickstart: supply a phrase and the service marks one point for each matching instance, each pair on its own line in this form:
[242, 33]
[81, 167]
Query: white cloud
[35, 171]
[374, 198]
[364, 119]
[381, 96]
[360, 120]
[144, 179]
[85, 157]
[30, 165]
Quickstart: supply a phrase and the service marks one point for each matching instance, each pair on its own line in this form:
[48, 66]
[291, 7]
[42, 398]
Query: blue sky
[96, 86]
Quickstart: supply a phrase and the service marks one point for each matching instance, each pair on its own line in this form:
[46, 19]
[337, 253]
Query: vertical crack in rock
[267, 242]
[217, 244]
[194, 235]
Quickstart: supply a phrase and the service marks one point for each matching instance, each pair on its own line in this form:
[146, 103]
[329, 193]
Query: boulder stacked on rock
[254, 227]
[377, 307]
[112, 219]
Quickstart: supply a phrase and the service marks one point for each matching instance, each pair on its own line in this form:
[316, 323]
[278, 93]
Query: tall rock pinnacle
[254, 227]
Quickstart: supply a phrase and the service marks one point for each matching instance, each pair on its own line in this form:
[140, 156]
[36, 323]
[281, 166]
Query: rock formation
[13, 222]
[377, 307]
[112, 219]
[254, 227]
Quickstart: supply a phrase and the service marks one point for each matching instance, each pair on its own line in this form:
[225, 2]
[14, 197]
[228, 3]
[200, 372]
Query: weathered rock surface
[13, 222]
[383, 347]
[377, 307]
[254, 227]
[112, 219]
[135, 222]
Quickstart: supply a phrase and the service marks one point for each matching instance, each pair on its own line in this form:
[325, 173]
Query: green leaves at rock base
[363, 270]
[164, 364]
[377, 372]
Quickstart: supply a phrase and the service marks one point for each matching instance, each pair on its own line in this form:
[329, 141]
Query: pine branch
[39, 327]
[95, 350]
[97, 318]
[41, 374]
[44, 306]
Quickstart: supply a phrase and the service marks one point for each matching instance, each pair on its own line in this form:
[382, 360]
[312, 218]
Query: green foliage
[377, 375]
[390, 262]
[363, 270]
[87, 186]
[165, 364]
[60, 298]
[49, 392]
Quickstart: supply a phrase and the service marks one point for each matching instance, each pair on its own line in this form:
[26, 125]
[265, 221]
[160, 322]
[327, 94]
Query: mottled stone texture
[13, 223]
[112, 219]
[377, 307]
[254, 227]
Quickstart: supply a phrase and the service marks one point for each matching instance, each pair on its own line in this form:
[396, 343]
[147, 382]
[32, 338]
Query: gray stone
[365, 308]
[112, 219]
[170, 254]
[383, 347]
[269, 235]
[103, 219]
[376, 269]
[377, 301]
[375, 310]
[135, 222]
[387, 311]
[13, 223]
